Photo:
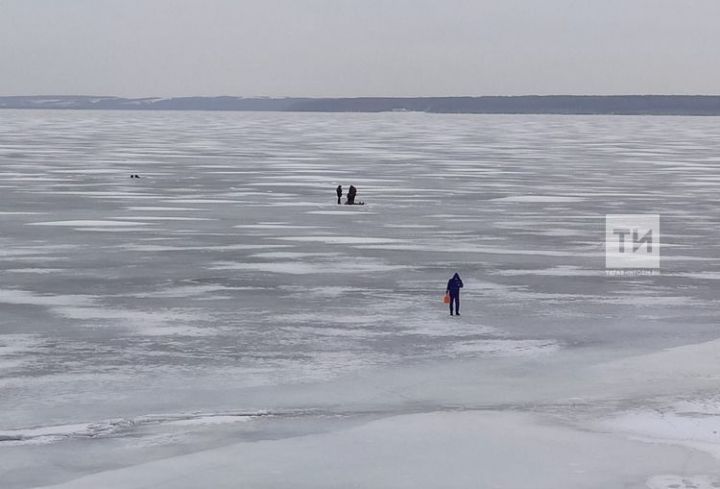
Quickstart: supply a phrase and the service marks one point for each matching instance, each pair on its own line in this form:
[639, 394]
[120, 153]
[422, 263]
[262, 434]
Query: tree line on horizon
[525, 104]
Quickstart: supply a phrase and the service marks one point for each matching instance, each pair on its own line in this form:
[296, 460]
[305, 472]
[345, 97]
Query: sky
[348, 48]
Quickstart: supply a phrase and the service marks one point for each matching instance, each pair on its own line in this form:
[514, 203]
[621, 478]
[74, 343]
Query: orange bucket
[446, 299]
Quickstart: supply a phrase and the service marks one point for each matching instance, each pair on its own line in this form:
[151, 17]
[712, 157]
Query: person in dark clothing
[352, 191]
[453, 288]
[338, 191]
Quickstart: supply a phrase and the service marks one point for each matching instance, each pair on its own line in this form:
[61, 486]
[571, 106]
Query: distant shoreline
[680, 105]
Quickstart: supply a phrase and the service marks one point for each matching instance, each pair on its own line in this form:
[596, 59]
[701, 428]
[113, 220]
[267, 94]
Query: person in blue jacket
[453, 288]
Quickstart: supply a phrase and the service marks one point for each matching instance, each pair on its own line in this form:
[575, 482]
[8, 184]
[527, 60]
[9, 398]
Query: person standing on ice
[338, 191]
[351, 195]
[453, 289]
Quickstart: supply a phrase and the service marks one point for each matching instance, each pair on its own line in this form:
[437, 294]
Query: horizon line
[280, 97]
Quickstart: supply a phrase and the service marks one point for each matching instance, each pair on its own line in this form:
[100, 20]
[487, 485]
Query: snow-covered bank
[550, 421]
[446, 449]
[679, 388]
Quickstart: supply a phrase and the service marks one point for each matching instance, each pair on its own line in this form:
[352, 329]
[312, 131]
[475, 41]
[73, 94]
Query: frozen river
[224, 316]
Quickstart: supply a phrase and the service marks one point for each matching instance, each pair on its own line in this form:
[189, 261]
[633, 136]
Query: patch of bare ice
[539, 198]
[87, 223]
[677, 481]
[297, 268]
[165, 218]
[503, 347]
[351, 240]
[17, 296]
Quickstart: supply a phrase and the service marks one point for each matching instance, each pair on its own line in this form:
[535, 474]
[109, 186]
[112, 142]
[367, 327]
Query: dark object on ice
[338, 191]
[134, 176]
[351, 195]
[453, 289]
[137, 176]
[352, 192]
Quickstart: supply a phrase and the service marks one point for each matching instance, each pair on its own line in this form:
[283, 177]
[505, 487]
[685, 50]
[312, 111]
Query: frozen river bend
[221, 322]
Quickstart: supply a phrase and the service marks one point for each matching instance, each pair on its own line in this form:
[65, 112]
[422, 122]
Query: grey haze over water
[348, 48]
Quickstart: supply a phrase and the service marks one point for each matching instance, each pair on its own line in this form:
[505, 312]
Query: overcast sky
[359, 47]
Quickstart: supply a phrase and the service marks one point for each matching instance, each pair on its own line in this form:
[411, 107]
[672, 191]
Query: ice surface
[694, 430]
[539, 198]
[453, 450]
[296, 268]
[674, 481]
[227, 284]
[164, 218]
[89, 223]
[342, 240]
[161, 209]
[109, 428]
